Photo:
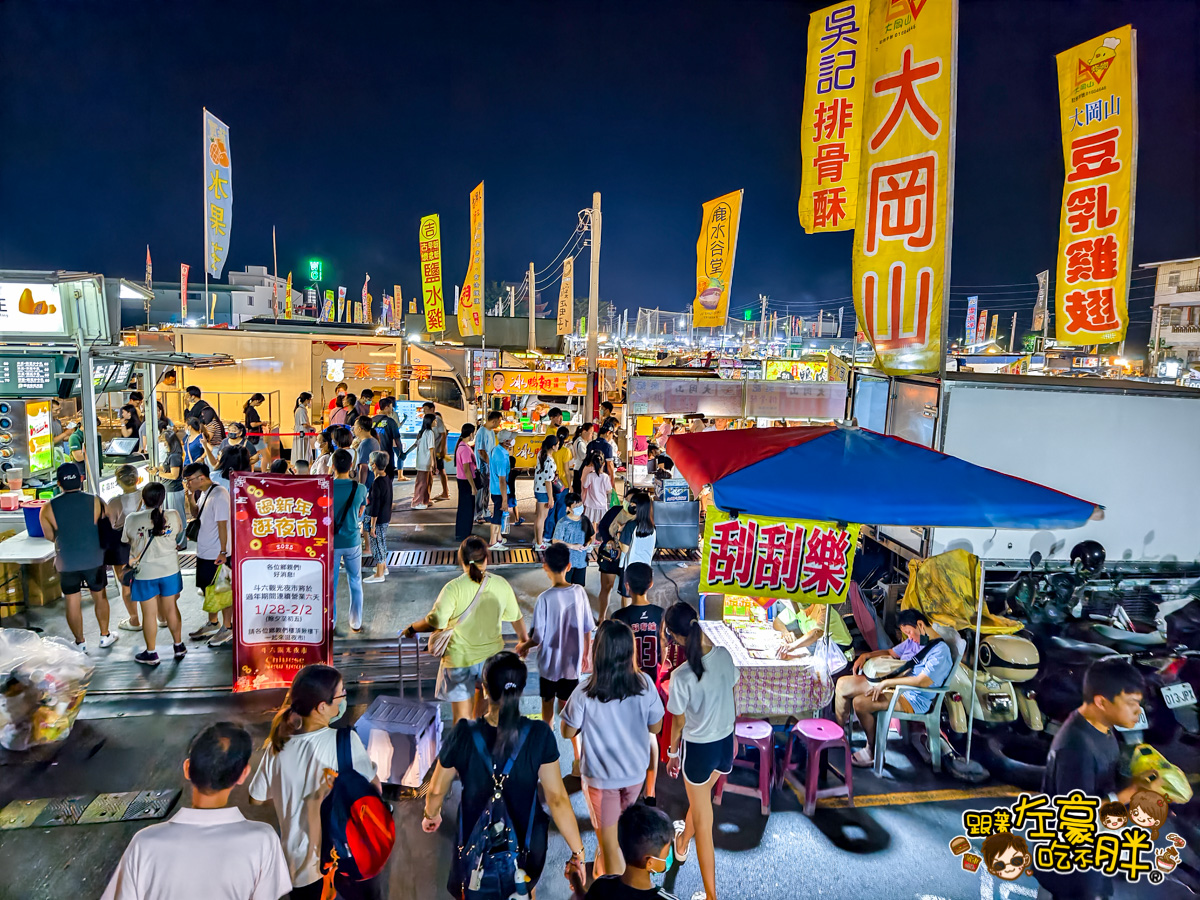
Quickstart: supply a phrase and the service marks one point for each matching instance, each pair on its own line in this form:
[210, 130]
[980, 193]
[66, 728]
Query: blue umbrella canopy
[848, 474]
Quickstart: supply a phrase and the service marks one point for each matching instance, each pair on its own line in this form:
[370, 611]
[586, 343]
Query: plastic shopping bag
[219, 594]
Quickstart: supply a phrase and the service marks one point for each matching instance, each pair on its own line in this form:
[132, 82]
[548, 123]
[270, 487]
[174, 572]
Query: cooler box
[402, 736]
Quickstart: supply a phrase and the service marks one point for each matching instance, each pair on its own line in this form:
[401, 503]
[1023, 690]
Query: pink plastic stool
[818, 736]
[759, 734]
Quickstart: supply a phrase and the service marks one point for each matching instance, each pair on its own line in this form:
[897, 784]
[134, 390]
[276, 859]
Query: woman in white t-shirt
[638, 538]
[152, 533]
[292, 773]
[700, 700]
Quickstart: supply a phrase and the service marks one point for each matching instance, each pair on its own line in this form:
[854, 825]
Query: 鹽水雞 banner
[282, 577]
[1097, 90]
[715, 252]
[901, 233]
[218, 194]
[758, 556]
[430, 237]
[830, 130]
[470, 300]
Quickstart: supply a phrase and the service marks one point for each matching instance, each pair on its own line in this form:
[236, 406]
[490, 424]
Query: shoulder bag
[906, 667]
[192, 532]
[439, 641]
[129, 575]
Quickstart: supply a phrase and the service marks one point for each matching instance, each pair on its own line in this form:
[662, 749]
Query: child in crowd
[576, 532]
[645, 837]
[562, 623]
[379, 515]
[645, 618]
[280, 467]
[302, 467]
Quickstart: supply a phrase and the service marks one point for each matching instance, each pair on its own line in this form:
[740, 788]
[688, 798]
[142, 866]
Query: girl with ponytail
[293, 773]
[700, 700]
[151, 533]
[504, 730]
[474, 607]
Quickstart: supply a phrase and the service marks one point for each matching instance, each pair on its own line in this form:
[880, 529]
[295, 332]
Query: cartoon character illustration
[1113, 815]
[498, 383]
[1006, 855]
[1102, 58]
[1149, 810]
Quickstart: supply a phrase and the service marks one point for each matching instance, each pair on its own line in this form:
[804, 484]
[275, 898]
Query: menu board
[41, 448]
[28, 376]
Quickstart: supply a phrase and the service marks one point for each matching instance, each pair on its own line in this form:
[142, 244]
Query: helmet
[1088, 556]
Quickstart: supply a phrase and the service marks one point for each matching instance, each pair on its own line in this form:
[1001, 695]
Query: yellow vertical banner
[430, 237]
[287, 298]
[995, 327]
[715, 252]
[471, 298]
[566, 296]
[1097, 92]
[830, 131]
[902, 230]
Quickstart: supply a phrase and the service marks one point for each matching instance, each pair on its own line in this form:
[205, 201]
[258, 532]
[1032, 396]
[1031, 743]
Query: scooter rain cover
[945, 588]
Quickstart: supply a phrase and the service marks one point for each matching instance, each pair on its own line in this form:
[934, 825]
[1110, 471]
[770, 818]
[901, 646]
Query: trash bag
[219, 594]
[42, 685]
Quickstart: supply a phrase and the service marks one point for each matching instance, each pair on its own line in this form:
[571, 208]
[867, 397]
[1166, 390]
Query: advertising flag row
[1097, 90]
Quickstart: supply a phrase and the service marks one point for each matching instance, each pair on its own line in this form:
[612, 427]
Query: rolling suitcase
[402, 736]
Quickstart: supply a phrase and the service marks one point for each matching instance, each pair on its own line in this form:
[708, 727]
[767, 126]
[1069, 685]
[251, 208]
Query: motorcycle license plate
[1176, 695]
[1142, 723]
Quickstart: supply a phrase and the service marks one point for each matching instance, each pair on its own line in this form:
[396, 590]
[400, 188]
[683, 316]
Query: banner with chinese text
[522, 381]
[328, 309]
[715, 252]
[830, 131]
[981, 330]
[470, 300]
[759, 556]
[341, 305]
[362, 310]
[901, 233]
[566, 296]
[287, 298]
[995, 327]
[1039, 308]
[972, 318]
[184, 268]
[283, 586]
[218, 194]
[430, 236]
[1097, 90]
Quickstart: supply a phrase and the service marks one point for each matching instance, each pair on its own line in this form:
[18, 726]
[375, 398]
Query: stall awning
[846, 474]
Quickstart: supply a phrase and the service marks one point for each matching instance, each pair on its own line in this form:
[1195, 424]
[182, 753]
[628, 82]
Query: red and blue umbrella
[847, 474]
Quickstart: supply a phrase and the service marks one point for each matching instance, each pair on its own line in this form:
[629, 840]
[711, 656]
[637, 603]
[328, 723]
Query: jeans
[351, 557]
[557, 510]
[464, 519]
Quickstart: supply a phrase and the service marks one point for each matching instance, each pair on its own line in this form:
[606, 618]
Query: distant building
[1175, 325]
[246, 295]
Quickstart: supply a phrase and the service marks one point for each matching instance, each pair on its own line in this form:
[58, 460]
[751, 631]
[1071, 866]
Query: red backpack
[357, 828]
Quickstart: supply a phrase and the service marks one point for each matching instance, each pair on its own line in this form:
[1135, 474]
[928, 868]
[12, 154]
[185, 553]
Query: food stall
[531, 394]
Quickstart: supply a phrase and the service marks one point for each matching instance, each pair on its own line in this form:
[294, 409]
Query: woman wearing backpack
[474, 607]
[501, 731]
[614, 711]
[292, 772]
[700, 699]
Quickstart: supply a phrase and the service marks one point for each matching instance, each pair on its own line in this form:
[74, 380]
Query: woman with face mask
[292, 772]
[576, 531]
[170, 451]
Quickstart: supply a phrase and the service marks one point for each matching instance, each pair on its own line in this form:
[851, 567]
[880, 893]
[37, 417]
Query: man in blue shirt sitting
[931, 670]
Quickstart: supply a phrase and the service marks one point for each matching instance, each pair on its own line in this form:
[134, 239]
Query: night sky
[350, 121]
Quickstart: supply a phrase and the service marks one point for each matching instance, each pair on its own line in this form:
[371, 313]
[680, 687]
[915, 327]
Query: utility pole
[512, 302]
[762, 316]
[1012, 335]
[841, 309]
[594, 298]
[532, 343]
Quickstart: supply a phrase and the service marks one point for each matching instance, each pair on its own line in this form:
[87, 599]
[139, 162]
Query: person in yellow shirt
[476, 605]
[805, 626]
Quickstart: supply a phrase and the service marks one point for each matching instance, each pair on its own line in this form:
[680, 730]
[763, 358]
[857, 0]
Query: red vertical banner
[282, 577]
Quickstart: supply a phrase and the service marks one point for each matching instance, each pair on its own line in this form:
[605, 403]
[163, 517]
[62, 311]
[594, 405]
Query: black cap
[68, 477]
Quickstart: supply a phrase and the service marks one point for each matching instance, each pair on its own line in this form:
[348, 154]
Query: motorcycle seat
[1081, 646]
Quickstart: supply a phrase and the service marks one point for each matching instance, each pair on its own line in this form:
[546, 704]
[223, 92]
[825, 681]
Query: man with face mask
[646, 838]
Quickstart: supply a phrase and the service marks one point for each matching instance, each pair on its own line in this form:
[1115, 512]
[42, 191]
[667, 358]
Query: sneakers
[208, 629]
[147, 658]
[107, 640]
[127, 625]
[222, 637]
[180, 651]
[81, 647]
[419, 506]
[375, 579]
[499, 545]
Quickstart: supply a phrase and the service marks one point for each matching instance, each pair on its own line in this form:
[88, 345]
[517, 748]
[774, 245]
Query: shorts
[560, 689]
[73, 582]
[609, 566]
[456, 685]
[605, 805]
[577, 575]
[149, 588]
[541, 496]
[206, 572]
[497, 510]
[117, 554]
[439, 463]
[702, 760]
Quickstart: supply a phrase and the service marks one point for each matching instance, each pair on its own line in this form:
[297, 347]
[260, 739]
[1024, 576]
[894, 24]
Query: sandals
[862, 758]
[681, 858]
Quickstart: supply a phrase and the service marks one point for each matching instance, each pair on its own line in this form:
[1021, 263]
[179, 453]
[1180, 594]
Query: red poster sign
[282, 577]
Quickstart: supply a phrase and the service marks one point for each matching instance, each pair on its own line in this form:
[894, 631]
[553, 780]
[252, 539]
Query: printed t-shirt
[646, 622]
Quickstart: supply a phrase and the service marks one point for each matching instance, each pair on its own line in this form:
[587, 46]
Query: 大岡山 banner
[218, 194]
[282, 577]
[1097, 91]
[715, 252]
[901, 234]
[759, 556]
[830, 131]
